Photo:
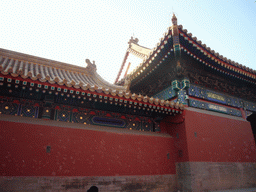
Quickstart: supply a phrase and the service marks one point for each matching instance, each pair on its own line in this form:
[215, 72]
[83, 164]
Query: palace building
[184, 120]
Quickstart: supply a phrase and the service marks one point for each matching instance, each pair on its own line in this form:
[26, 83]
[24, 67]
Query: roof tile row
[196, 41]
[88, 79]
[235, 64]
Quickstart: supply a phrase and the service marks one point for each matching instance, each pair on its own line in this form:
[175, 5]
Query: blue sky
[71, 31]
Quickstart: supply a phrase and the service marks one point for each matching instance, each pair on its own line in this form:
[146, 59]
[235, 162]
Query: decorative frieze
[167, 93]
[104, 118]
[216, 97]
[9, 108]
[28, 111]
[66, 113]
[213, 96]
[249, 106]
[38, 91]
[214, 107]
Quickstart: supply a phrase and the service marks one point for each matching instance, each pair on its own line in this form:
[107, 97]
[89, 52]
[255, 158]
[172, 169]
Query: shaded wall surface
[219, 138]
[214, 151]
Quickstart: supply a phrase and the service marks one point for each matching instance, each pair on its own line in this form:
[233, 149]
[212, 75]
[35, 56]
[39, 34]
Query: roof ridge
[44, 70]
[42, 61]
[216, 54]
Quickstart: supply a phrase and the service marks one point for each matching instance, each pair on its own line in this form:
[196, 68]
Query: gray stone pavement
[238, 190]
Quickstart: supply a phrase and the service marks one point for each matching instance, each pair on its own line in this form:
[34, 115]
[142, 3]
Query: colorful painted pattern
[62, 115]
[28, 111]
[180, 85]
[178, 89]
[248, 113]
[250, 106]
[103, 118]
[9, 108]
[105, 121]
[81, 115]
[182, 97]
[51, 94]
[166, 94]
[214, 107]
[217, 97]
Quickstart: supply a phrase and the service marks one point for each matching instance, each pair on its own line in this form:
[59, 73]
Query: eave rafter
[147, 67]
[95, 94]
[17, 64]
[221, 64]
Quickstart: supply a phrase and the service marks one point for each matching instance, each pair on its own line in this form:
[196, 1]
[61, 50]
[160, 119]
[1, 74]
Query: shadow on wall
[252, 120]
[93, 189]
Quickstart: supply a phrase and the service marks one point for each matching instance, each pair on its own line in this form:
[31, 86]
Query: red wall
[78, 152]
[218, 139]
[177, 130]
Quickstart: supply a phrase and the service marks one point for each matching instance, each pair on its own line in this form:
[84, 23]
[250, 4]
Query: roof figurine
[174, 19]
[175, 30]
[180, 59]
[57, 78]
[135, 49]
[54, 72]
[66, 106]
[135, 41]
[90, 66]
[176, 46]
